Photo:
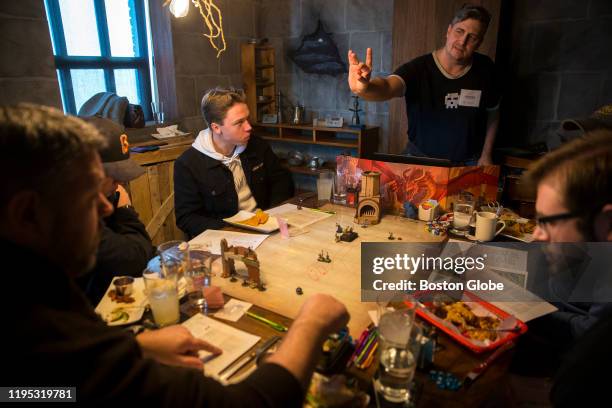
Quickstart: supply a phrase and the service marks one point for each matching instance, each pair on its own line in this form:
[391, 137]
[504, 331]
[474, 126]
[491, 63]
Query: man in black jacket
[50, 204]
[125, 247]
[227, 168]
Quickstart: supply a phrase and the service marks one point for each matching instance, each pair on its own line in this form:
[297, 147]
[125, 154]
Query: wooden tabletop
[286, 264]
[289, 263]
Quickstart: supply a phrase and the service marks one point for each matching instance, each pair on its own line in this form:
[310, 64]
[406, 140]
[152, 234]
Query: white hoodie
[204, 144]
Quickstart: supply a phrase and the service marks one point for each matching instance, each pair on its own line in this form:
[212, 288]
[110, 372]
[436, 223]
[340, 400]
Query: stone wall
[354, 24]
[196, 65]
[27, 69]
[560, 66]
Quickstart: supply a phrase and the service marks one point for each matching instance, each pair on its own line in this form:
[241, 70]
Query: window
[100, 45]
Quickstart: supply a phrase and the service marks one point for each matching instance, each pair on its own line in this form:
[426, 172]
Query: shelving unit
[259, 79]
[364, 140]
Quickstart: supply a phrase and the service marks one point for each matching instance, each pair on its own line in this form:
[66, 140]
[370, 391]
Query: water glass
[198, 278]
[162, 292]
[462, 214]
[339, 191]
[324, 185]
[158, 111]
[398, 348]
[174, 258]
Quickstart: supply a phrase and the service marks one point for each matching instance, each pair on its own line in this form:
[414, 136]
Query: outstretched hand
[359, 72]
[174, 345]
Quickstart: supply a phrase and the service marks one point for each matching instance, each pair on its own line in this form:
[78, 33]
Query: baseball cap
[116, 155]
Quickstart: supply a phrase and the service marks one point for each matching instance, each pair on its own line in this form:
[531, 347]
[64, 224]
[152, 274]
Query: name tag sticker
[470, 97]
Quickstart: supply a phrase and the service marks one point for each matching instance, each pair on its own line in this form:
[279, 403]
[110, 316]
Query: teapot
[315, 162]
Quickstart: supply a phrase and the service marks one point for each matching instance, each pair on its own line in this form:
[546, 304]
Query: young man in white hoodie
[227, 168]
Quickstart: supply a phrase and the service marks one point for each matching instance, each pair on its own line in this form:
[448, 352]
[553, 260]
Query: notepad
[233, 342]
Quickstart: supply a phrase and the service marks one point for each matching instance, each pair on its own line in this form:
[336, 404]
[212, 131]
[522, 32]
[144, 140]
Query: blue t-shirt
[447, 118]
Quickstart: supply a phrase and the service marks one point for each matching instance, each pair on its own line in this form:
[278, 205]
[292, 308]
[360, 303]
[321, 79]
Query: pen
[274, 325]
[323, 211]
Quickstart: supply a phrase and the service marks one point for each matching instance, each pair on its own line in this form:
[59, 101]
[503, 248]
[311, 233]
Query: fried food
[475, 327]
[120, 299]
[260, 217]
[515, 228]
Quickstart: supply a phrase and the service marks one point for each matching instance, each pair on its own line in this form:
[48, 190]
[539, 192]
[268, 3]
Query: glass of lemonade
[163, 298]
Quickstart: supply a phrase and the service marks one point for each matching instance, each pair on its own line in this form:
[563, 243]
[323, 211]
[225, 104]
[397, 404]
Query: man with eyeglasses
[573, 205]
[451, 94]
[227, 168]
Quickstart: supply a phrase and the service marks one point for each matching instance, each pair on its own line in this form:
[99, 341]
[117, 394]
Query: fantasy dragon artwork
[416, 183]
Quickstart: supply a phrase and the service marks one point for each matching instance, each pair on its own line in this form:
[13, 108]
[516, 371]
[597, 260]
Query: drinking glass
[163, 298]
[398, 351]
[463, 210]
[198, 277]
[158, 111]
[339, 191]
[324, 185]
[174, 258]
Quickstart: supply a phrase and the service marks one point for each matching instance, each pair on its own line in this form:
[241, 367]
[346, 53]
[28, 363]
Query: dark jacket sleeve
[125, 249]
[125, 243]
[281, 182]
[188, 208]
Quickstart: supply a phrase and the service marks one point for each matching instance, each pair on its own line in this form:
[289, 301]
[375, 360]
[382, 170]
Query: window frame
[64, 62]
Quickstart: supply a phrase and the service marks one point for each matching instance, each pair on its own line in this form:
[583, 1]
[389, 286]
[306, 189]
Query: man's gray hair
[38, 144]
[471, 11]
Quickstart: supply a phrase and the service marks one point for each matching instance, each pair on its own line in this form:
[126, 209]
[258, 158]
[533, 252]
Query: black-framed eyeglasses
[549, 219]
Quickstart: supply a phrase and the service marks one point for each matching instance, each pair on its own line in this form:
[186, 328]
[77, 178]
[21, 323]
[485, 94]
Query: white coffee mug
[487, 226]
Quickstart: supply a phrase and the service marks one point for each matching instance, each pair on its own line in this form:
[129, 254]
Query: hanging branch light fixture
[211, 15]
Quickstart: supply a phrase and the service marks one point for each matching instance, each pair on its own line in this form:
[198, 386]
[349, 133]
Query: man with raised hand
[451, 94]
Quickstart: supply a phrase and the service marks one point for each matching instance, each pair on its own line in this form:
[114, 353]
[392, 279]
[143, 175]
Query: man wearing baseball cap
[125, 247]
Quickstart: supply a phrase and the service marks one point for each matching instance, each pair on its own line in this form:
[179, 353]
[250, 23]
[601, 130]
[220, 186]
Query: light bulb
[179, 8]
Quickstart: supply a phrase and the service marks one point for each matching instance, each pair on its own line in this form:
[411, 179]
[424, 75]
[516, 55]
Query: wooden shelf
[365, 141]
[259, 79]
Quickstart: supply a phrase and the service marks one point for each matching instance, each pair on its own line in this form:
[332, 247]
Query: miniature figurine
[299, 291]
[348, 235]
[391, 237]
[324, 258]
[338, 229]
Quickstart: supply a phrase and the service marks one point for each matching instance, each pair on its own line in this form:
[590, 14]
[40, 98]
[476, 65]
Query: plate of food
[257, 221]
[518, 228]
[471, 321]
[119, 309]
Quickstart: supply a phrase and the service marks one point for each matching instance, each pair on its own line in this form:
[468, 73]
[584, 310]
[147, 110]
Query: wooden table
[289, 263]
[286, 264]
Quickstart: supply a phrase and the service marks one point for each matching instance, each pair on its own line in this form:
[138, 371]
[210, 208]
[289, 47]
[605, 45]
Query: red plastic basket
[424, 311]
